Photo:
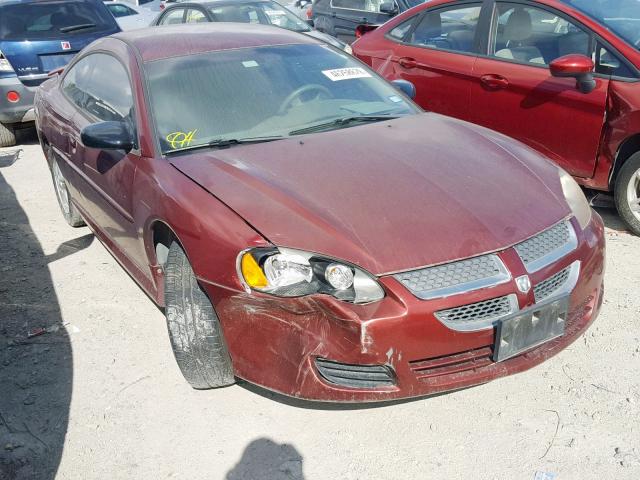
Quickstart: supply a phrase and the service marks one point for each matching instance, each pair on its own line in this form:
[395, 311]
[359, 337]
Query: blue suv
[36, 37]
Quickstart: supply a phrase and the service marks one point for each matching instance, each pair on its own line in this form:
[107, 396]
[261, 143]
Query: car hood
[333, 41]
[389, 196]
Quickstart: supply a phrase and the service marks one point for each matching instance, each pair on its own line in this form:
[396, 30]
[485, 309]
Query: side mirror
[389, 8]
[108, 136]
[577, 66]
[406, 87]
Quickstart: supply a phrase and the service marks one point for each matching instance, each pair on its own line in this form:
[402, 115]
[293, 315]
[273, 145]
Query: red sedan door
[436, 52]
[514, 92]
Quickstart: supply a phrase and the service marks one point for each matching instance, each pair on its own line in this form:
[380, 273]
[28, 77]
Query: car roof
[157, 43]
[207, 3]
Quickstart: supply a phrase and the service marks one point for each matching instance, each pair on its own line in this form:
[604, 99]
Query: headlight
[292, 273]
[347, 48]
[575, 198]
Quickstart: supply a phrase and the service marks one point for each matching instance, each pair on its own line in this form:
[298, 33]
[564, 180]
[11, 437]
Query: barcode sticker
[346, 73]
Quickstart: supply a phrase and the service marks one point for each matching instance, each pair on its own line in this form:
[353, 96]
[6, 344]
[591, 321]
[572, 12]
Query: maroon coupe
[308, 228]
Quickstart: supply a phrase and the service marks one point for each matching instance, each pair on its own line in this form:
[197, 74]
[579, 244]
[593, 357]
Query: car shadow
[36, 365]
[264, 459]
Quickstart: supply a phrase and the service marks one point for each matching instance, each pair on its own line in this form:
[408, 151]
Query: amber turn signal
[252, 273]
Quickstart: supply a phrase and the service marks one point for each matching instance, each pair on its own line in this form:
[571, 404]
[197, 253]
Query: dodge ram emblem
[524, 284]
[66, 45]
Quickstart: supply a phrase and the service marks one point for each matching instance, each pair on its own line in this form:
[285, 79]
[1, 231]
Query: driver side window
[532, 35]
[99, 85]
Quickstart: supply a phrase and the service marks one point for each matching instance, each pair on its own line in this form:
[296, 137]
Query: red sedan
[307, 227]
[559, 75]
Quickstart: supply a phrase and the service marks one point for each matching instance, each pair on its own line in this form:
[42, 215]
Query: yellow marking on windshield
[181, 139]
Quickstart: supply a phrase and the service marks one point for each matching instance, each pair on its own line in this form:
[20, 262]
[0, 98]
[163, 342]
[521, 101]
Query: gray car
[265, 12]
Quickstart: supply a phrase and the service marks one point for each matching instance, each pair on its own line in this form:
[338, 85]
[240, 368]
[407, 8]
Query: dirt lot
[99, 395]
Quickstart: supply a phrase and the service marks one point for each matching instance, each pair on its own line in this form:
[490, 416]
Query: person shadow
[36, 364]
[264, 459]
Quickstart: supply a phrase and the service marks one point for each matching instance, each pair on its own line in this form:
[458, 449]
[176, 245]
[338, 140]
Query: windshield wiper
[226, 142]
[73, 28]
[343, 122]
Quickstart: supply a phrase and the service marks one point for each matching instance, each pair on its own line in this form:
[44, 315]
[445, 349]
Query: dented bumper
[300, 346]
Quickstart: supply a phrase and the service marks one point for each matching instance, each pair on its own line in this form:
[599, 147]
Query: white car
[130, 17]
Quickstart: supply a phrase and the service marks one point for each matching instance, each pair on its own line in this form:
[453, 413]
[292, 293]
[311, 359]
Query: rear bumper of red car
[289, 345]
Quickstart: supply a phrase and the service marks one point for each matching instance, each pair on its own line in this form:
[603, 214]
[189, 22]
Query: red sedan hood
[388, 196]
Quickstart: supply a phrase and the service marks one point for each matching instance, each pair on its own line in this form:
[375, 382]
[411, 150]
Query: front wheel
[194, 329]
[7, 135]
[627, 193]
[69, 210]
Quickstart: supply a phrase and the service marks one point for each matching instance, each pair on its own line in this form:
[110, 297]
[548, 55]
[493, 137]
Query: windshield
[262, 92]
[266, 13]
[52, 19]
[622, 17]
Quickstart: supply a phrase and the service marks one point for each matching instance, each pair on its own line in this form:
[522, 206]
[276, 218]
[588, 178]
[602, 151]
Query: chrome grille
[456, 277]
[478, 315]
[547, 247]
[551, 285]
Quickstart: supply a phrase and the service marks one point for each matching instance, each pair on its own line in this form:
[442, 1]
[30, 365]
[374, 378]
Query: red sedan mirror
[579, 67]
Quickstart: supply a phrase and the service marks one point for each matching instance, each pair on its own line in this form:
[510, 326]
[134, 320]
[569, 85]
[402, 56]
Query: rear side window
[99, 85]
[118, 10]
[448, 29]
[173, 17]
[53, 19]
[372, 6]
[401, 30]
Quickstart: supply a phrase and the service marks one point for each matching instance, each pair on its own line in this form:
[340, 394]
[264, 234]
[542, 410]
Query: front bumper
[281, 344]
[21, 111]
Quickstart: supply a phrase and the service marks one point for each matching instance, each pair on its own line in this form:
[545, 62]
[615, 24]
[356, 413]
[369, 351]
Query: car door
[348, 14]
[436, 51]
[514, 92]
[103, 93]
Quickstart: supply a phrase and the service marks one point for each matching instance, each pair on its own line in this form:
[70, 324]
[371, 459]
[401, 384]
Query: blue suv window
[52, 19]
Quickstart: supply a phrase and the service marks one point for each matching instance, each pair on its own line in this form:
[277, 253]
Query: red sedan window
[448, 29]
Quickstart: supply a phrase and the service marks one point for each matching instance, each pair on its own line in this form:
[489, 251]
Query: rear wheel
[69, 210]
[7, 135]
[627, 193]
[194, 328]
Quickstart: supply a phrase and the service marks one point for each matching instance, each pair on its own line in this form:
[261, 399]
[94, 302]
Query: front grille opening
[551, 285]
[477, 315]
[355, 376]
[548, 246]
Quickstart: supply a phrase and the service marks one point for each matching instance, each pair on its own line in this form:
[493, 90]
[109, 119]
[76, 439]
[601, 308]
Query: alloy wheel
[61, 188]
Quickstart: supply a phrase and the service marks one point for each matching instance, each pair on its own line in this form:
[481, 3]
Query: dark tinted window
[448, 29]
[50, 19]
[99, 85]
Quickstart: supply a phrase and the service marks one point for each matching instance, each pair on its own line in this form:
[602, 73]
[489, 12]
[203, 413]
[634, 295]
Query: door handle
[494, 82]
[407, 62]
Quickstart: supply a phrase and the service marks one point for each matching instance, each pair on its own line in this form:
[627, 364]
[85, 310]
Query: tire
[68, 209]
[325, 25]
[627, 193]
[194, 328]
[7, 135]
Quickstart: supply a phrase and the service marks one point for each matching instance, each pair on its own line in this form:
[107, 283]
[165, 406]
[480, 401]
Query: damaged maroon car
[308, 228]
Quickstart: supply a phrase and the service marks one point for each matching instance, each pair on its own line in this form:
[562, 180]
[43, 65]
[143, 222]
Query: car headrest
[518, 27]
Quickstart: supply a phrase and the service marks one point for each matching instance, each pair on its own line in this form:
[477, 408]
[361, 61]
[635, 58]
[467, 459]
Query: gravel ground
[99, 396]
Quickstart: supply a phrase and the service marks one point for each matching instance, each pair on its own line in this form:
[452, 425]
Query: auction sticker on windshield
[346, 73]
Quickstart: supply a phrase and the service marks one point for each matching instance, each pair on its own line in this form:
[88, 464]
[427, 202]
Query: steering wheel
[287, 103]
